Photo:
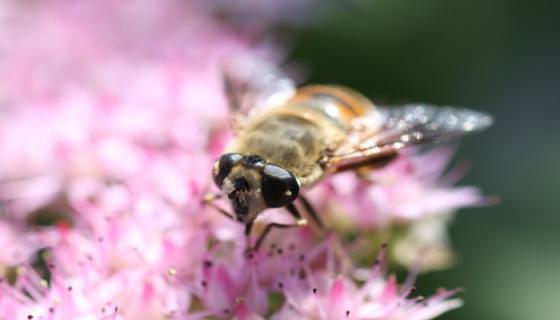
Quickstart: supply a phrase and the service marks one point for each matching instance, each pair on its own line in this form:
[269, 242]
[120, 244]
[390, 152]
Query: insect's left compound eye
[223, 166]
[279, 186]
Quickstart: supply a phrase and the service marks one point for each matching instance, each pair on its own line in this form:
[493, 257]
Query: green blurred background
[497, 56]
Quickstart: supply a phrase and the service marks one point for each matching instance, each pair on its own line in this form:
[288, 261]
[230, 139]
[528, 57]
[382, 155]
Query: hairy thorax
[291, 142]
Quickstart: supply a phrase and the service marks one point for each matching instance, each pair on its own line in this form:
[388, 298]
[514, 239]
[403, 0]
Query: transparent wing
[378, 136]
[252, 85]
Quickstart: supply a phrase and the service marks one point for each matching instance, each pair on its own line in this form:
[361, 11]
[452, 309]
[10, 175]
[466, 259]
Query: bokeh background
[495, 55]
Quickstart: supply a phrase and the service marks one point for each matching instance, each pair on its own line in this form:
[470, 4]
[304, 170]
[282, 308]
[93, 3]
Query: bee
[289, 139]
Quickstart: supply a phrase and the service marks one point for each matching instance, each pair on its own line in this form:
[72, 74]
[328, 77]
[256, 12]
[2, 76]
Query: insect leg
[232, 92]
[294, 212]
[248, 228]
[362, 159]
[209, 199]
[299, 222]
[309, 208]
[273, 225]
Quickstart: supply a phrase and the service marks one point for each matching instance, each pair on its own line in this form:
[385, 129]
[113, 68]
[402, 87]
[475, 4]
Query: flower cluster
[410, 201]
[111, 115]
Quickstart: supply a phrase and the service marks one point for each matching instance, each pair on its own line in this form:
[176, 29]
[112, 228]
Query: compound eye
[223, 166]
[279, 186]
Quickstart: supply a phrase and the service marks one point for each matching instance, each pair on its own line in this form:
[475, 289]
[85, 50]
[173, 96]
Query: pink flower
[111, 117]
[90, 295]
[327, 294]
[410, 188]
[18, 245]
[412, 195]
[224, 286]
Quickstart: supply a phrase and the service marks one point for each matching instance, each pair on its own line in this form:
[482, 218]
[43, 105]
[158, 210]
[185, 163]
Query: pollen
[216, 168]
[172, 271]
[209, 197]
[21, 271]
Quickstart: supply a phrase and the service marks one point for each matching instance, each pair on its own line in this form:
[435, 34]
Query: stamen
[408, 292]
[20, 271]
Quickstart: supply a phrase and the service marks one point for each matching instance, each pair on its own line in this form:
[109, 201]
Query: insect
[289, 139]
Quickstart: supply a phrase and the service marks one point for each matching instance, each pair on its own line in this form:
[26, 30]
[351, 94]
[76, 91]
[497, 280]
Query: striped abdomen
[339, 104]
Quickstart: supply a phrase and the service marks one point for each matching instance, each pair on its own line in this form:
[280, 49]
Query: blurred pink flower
[17, 243]
[413, 195]
[127, 84]
[410, 188]
[111, 115]
[91, 294]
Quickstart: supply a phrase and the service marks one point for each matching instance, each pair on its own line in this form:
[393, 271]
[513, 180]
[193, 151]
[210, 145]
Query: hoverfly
[289, 139]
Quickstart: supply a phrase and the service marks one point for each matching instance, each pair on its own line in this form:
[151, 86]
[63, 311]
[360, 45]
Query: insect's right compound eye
[279, 186]
[223, 166]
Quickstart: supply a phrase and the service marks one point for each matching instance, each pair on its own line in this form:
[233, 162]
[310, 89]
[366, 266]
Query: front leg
[273, 225]
[311, 211]
[209, 199]
[299, 223]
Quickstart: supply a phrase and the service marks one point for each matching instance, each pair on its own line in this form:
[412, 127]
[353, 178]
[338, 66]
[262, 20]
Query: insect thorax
[290, 141]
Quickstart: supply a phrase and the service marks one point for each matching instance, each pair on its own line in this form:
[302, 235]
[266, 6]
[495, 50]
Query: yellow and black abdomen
[339, 104]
